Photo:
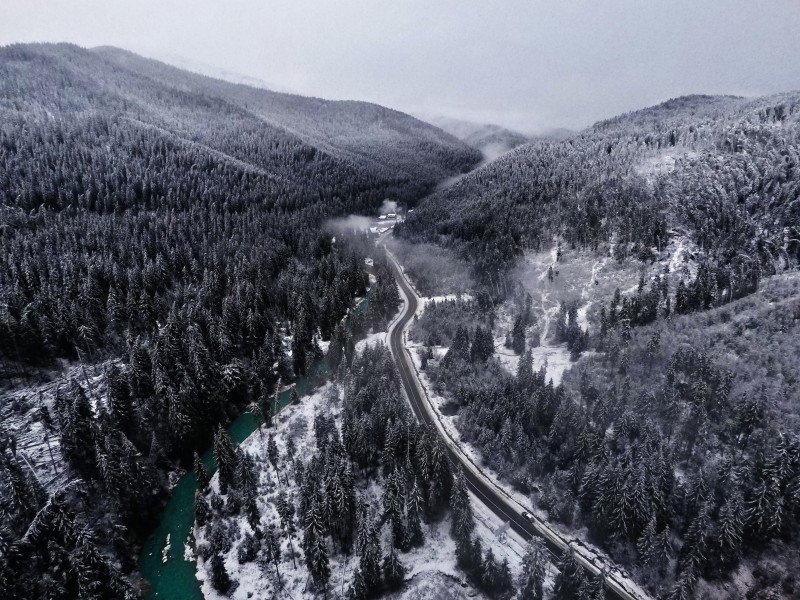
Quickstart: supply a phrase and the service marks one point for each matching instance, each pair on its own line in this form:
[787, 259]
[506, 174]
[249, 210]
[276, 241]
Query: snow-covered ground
[20, 414]
[431, 567]
[555, 359]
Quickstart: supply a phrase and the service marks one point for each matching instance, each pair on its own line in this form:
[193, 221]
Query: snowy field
[429, 568]
[21, 415]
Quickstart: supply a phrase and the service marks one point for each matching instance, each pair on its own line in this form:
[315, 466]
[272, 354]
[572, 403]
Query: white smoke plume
[388, 206]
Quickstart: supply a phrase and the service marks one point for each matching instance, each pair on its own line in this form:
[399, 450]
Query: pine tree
[272, 550]
[459, 348]
[358, 587]
[219, 575]
[441, 475]
[648, 544]
[463, 522]
[525, 377]
[315, 546]
[202, 512]
[247, 482]
[202, 474]
[684, 586]
[534, 566]
[370, 559]
[570, 578]
[694, 552]
[518, 336]
[225, 456]
[248, 548]
[505, 581]
[482, 345]
[490, 573]
[393, 570]
[78, 433]
[414, 509]
[729, 534]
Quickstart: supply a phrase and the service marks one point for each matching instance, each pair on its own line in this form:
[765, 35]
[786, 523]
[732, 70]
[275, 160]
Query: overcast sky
[529, 65]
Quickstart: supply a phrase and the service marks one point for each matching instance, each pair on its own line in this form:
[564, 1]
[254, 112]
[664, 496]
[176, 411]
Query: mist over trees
[724, 167]
[156, 224]
[675, 442]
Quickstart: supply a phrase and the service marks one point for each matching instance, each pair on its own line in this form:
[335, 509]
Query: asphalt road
[485, 491]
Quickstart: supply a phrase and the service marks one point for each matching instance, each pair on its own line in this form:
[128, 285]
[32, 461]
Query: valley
[256, 344]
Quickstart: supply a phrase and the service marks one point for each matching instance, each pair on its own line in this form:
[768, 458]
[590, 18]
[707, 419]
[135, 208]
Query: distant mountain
[165, 231]
[70, 84]
[492, 140]
[724, 167]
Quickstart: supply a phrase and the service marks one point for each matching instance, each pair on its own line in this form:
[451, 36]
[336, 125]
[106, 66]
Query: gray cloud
[524, 64]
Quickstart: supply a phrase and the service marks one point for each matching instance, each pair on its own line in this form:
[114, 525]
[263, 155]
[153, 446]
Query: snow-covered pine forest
[656, 252]
[609, 328]
[165, 264]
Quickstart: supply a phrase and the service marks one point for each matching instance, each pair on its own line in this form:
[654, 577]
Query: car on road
[528, 516]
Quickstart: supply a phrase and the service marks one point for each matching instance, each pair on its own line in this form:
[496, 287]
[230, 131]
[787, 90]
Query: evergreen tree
[534, 567]
[393, 570]
[202, 512]
[370, 560]
[414, 509]
[490, 573]
[225, 456]
[315, 546]
[78, 433]
[219, 575]
[463, 522]
[358, 587]
[202, 475]
[730, 532]
[518, 336]
[570, 578]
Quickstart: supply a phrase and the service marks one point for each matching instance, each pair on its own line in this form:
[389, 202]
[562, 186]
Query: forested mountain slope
[166, 238]
[367, 133]
[674, 443]
[491, 139]
[725, 167]
[364, 141]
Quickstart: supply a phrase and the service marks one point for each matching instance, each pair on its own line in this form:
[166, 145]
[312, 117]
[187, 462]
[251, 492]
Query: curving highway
[494, 497]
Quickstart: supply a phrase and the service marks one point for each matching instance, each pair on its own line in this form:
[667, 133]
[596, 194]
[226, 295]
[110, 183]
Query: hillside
[383, 139]
[492, 140]
[53, 82]
[723, 167]
[639, 282]
[165, 265]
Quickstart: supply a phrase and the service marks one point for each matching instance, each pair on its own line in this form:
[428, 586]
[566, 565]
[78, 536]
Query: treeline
[605, 450]
[178, 241]
[318, 496]
[725, 167]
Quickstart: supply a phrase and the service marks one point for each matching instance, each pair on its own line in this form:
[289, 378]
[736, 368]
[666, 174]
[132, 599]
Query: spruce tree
[219, 575]
[315, 546]
[202, 474]
[463, 522]
[393, 570]
[534, 567]
[225, 456]
[202, 512]
[490, 573]
[358, 587]
[370, 559]
[570, 578]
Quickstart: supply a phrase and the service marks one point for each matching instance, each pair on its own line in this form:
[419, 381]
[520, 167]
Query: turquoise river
[174, 579]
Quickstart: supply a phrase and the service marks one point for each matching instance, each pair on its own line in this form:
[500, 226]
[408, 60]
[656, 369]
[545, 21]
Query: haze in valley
[527, 65]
